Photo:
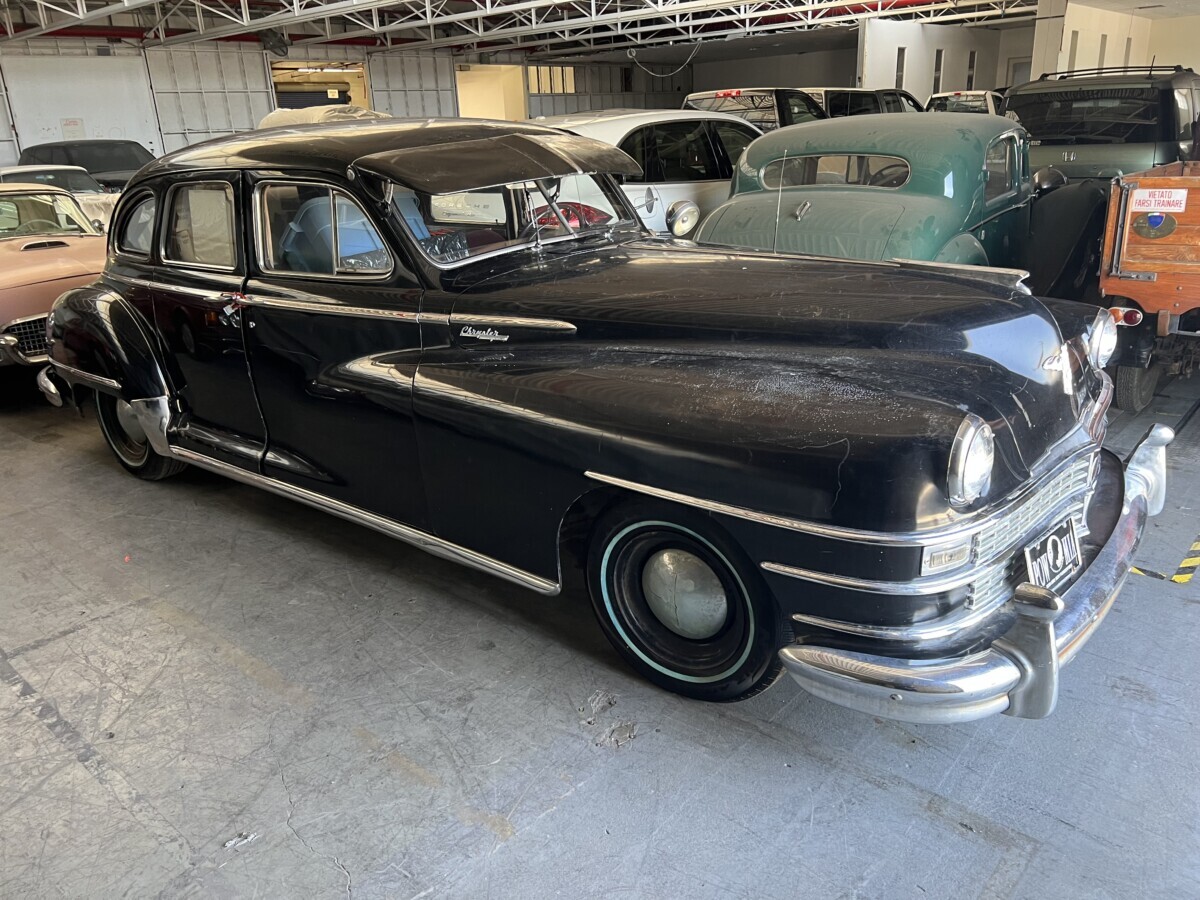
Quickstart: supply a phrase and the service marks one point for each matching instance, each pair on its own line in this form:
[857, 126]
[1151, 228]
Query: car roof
[17, 187]
[853, 90]
[40, 167]
[961, 94]
[921, 140]
[632, 117]
[81, 143]
[1131, 78]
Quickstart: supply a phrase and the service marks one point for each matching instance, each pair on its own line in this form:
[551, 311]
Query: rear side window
[851, 103]
[801, 108]
[1183, 114]
[635, 145]
[311, 229]
[683, 153]
[200, 226]
[138, 228]
[840, 170]
[733, 138]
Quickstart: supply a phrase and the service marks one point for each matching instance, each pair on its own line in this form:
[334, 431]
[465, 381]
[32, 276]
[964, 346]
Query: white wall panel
[207, 90]
[420, 85]
[882, 38]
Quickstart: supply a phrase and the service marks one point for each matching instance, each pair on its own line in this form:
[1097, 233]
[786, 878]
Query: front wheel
[128, 442]
[681, 604]
[1136, 386]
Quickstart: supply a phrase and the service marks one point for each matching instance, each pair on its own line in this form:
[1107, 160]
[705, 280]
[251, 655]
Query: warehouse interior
[212, 690]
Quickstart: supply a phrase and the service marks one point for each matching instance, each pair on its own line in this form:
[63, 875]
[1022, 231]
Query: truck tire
[1136, 386]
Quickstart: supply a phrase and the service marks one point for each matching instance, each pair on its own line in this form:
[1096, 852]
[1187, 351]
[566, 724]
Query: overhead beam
[80, 16]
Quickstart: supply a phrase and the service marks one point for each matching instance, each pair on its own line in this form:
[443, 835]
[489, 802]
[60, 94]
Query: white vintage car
[685, 155]
[97, 203]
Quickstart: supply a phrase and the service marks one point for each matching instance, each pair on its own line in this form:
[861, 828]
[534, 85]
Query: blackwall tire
[725, 630]
[1136, 386]
[128, 444]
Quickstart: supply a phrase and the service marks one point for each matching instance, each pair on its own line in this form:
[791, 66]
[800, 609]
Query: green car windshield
[1090, 116]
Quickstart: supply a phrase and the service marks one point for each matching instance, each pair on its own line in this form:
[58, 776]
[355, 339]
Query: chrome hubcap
[129, 423]
[685, 594]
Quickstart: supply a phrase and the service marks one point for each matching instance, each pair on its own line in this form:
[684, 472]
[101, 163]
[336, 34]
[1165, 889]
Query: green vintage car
[940, 187]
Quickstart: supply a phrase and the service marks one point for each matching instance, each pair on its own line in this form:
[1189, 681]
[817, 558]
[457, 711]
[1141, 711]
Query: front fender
[964, 250]
[98, 340]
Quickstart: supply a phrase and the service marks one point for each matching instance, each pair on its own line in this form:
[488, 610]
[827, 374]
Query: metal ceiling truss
[549, 28]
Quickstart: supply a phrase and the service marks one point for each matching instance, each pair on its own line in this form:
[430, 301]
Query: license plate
[1055, 555]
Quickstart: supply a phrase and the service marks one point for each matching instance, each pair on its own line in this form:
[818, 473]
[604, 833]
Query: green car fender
[963, 249]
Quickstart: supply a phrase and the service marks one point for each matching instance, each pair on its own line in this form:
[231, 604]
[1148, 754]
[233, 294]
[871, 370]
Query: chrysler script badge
[487, 334]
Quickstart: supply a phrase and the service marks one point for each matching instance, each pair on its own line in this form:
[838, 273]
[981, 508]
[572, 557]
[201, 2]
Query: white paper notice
[73, 130]
[1172, 200]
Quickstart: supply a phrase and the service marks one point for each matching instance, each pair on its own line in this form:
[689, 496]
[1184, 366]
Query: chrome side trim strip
[514, 322]
[73, 374]
[161, 286]
[937, 629]
[1009, 278]
[957, 530]
[424, 541]
[331, 310]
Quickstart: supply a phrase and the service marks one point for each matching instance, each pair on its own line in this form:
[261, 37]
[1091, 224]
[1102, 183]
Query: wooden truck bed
[1152, 240]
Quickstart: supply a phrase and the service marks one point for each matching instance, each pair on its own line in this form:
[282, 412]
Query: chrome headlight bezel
[972, 458]
[1102, 339]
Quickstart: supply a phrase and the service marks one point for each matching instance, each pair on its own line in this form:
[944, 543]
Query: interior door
[334, 341]
[196, 286]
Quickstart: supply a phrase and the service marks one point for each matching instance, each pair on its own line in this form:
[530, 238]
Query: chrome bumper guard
[1018, 674]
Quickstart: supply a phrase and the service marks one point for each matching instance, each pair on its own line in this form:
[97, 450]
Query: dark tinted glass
[105, 156]
[635, 145]
[683, 153]
[1090, 115]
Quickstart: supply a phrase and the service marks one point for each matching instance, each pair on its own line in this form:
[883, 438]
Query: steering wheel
[33, 225]
[894, 172]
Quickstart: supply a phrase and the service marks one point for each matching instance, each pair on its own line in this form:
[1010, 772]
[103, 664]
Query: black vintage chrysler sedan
[883, 478]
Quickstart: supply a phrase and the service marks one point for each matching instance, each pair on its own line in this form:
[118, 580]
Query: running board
[420, 539]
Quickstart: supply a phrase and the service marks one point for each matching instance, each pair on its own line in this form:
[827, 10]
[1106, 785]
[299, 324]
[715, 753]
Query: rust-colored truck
[1151, 264]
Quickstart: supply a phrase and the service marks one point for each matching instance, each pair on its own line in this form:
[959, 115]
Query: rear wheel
[128, 442]
[1136, 386]
[682, 606]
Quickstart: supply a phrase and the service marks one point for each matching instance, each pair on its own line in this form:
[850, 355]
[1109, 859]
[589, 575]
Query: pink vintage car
[47, 246]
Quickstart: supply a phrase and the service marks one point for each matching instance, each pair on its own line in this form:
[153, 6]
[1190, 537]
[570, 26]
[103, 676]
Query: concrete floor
[214, 692]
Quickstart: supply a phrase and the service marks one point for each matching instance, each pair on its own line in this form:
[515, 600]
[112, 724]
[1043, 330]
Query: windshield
[960, 103]
[1089, 116]
[454, 227]
[68, 179]
[22, 214]
[117, 156]
[757, 108]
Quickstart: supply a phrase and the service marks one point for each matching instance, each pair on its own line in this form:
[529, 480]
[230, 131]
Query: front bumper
[1018, 673]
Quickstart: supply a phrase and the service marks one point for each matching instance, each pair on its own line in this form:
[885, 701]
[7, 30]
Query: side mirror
[682, 217]
[1047, 179]
[98, 225]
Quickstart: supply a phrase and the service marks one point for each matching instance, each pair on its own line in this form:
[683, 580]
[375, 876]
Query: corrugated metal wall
[207, 90]
[413, 84]
[602, 87]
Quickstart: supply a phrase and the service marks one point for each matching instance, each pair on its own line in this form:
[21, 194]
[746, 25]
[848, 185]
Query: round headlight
[1102, 341]
[971, 461]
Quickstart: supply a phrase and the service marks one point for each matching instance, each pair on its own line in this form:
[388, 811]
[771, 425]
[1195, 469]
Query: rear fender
[98, 340]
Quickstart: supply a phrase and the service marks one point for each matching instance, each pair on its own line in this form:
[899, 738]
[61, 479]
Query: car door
[1004, 228]
[334, 340]
[640, 189]
[687, 166]
[200, 272]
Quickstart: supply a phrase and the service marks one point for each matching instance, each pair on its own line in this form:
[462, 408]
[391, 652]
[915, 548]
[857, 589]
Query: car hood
[946, 344]
[37, 258]
[839, 223]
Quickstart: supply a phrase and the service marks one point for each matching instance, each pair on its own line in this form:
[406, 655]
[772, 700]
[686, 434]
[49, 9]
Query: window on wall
[1074, 51]
[551, 79]
[938, 57]
[1103, 49]
[971, 70]
[1128, 50]
[901, 52]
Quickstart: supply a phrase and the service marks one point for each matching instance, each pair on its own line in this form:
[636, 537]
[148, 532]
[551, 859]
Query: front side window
[999, 165]
[1183, 114]
[802, 108]
[836, 169]
[851, 103]
[200, 226]
[453, 227]
[910, 102]
[37, 213]
[635, 144]
[891, 102]
[138, 230]
[312, 229]
[682, 152]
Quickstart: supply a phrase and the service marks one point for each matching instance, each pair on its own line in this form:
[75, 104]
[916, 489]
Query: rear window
[756, 107]
[840, 170]
[102, 156]
[965, 103]
[1090, 116]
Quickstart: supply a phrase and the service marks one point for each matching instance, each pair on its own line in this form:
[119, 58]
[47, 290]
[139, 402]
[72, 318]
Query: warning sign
[1159, 200]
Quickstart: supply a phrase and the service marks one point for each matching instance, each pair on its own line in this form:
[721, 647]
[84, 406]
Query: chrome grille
[1013, 527]
[997, 585]
[30, 335]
